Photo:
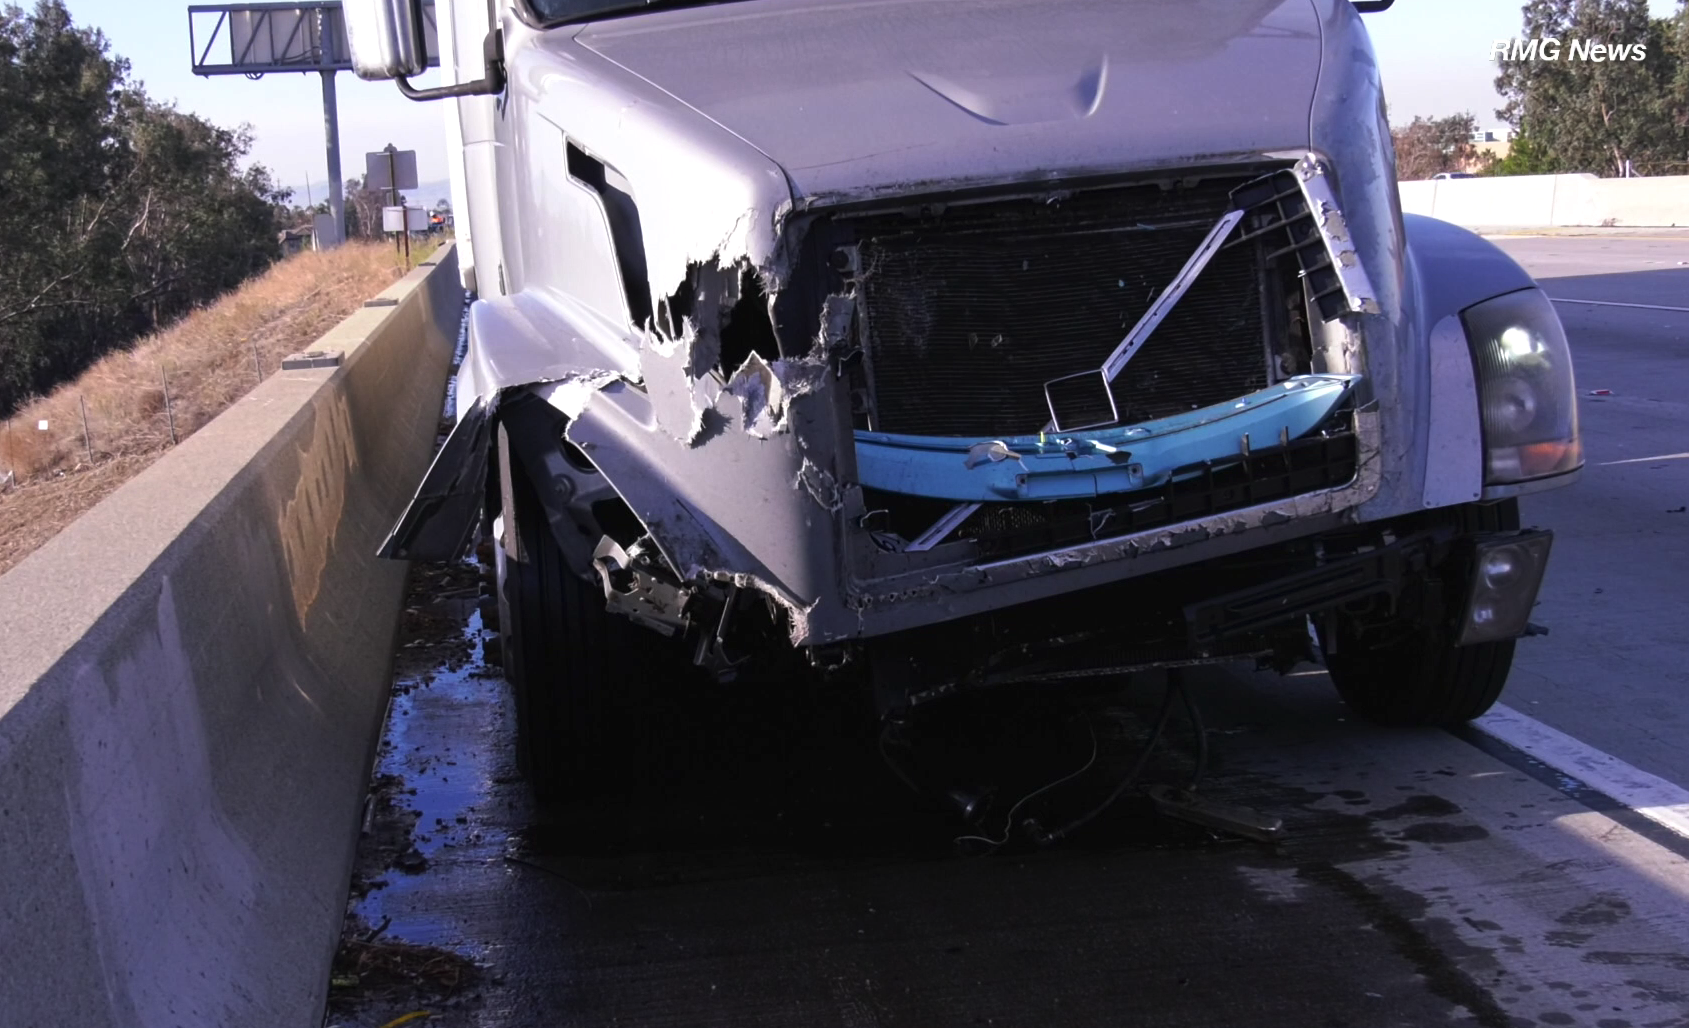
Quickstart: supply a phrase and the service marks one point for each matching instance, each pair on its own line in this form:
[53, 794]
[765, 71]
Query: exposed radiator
[970, 310]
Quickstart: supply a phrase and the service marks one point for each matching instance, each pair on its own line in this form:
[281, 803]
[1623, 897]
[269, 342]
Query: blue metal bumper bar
[1071, 465]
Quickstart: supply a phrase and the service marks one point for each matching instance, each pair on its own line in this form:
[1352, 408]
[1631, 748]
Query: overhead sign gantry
[257, 39]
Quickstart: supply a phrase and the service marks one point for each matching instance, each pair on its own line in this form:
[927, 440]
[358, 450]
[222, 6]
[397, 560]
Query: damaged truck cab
[956, 343]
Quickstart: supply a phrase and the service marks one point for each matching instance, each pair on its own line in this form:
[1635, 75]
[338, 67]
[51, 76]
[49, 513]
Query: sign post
[393, 169]
[336, 185]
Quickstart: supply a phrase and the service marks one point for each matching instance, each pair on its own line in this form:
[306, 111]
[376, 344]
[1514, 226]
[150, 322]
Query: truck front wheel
[580, 674]
[1406, 669]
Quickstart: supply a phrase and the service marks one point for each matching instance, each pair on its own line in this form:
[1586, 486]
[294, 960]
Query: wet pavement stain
[1602, 910]
[393, 962]
[1659, 993]
[760, 864]
[764, 866]
[1437, 832]
[1416, 806]
[1449, 967]
[1674, 961]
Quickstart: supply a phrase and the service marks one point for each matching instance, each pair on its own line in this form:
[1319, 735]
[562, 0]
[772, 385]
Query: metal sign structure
[404, 219]
[393, 169]
[257, 39]
[254, 39]
[390, 169]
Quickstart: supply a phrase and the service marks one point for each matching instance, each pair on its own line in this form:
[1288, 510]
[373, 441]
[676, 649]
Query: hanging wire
[1175, 690]
[1009, 827]
[1175, 687]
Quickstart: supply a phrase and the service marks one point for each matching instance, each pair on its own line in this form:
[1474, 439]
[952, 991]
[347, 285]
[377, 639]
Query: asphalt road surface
[767, 868]
[1615, 671]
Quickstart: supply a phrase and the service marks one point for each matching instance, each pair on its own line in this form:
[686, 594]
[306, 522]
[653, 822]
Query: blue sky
[1435, 56]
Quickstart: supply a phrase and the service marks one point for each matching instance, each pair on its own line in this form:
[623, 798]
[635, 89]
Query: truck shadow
[744, 780]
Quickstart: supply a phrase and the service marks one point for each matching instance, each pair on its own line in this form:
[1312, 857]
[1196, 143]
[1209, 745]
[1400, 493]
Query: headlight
[1501, 567]
[1529, 401]
[1499, 601]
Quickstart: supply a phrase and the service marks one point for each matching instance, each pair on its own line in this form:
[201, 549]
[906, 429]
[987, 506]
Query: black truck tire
[578, 672]
[1409, 671]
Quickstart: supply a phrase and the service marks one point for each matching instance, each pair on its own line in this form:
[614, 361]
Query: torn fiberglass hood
[867, 97]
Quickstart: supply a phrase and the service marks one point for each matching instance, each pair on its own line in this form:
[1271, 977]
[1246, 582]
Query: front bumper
[786, 515]
[1247, 606]
[1494, 608]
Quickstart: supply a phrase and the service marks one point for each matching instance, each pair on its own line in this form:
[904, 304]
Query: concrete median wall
[192, 679]
[1552, 201]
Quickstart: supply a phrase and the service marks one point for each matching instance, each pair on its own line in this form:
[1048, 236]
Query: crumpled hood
[863, 97]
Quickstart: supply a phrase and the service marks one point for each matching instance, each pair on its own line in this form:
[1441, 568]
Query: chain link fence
[73, 431]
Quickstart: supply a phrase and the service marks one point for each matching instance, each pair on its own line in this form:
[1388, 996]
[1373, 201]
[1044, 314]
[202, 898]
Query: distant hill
[427, 194]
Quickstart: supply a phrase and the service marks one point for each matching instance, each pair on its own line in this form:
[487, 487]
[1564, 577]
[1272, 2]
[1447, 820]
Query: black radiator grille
[970, 311]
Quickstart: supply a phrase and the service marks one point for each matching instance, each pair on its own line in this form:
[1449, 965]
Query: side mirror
[390, 39]
[386, 38]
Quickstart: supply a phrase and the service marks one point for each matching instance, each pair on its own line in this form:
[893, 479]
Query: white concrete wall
[192, 678]
[1552, 201]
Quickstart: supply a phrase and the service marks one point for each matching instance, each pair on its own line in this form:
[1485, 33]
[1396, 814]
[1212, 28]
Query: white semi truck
[954, 344]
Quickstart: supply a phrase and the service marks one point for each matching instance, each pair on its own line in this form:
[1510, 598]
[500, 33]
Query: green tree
[363, 209]
[1678, 99]
[60, 97]
[1525, 156]
[1428, 146]
[1596, 116]
[116, 213]
[198, 226]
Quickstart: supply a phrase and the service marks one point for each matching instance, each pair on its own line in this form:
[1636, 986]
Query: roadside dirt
[399, 976]
[61, 454]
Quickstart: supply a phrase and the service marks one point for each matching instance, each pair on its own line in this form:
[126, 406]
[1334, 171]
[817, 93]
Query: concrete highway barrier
[192, 680]
[1552, 201]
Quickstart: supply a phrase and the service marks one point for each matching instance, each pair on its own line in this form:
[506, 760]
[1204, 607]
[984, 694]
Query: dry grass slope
[211, 358]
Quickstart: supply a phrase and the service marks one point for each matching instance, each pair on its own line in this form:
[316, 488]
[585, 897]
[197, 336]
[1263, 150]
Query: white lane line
[1610, 303]
[1654, 798]
[1645, 460]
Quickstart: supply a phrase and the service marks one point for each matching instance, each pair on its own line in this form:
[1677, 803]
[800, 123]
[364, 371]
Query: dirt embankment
[126, 410]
